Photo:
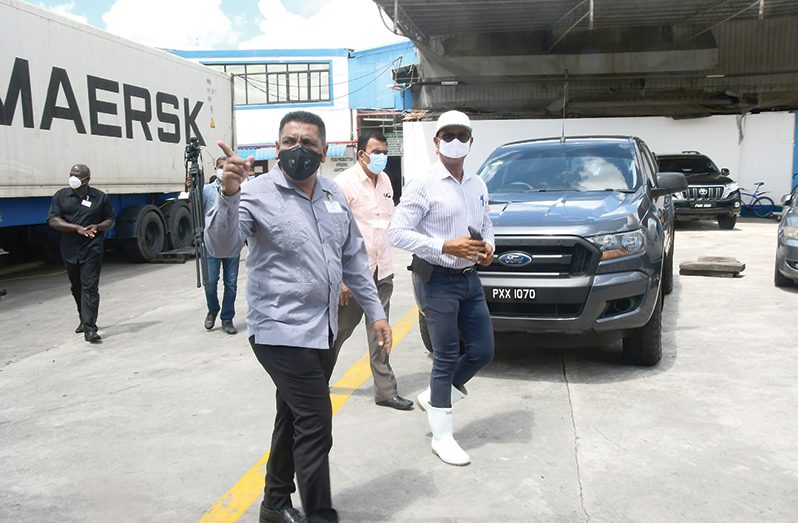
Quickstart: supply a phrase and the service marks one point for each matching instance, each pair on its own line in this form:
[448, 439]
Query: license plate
[505, 294]
[702, 205]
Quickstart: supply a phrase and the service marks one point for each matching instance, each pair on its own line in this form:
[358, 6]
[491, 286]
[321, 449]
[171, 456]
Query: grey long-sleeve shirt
[300, 251]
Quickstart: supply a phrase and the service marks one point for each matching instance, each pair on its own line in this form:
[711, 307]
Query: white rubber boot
[443, 443]
[423, 398]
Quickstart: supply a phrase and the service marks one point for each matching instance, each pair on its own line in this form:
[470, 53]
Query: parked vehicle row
[584, 231]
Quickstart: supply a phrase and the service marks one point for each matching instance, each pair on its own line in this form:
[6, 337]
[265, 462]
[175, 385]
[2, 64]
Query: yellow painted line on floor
[236, 501]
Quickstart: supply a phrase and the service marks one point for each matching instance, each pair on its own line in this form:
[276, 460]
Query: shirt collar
[444, 173]
[279, 179]
[363, 175]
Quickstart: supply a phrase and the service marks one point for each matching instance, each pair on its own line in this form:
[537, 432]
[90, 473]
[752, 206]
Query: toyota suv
[584, 241]
[710, 194]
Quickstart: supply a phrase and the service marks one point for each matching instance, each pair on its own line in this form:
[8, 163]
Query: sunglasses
[463, 136]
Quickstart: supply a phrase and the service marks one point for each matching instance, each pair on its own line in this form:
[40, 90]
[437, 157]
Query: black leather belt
[456, 272]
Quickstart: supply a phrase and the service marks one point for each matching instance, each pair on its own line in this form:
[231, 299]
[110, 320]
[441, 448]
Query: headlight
[728, 189]
[790, 232]
[620, 244]
[678, 195]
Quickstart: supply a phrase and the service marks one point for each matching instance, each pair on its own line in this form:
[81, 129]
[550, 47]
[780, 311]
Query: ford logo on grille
[515, 259]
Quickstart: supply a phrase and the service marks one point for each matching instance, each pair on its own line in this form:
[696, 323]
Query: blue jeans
[230, 267]
[454, 305]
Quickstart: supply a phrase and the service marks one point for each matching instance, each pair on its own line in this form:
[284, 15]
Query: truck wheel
[667, 271]
[727, 222]
[149, 235]
[643, 346]
[179, 227]
[779, 279]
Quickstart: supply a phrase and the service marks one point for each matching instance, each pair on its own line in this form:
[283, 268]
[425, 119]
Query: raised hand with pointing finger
[235, 170]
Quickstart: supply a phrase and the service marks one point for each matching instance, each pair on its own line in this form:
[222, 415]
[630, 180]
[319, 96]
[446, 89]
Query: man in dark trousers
[303, 244]
[82, 214]
[432, 221]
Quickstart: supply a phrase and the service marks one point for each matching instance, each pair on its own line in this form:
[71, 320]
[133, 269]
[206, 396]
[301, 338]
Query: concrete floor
[159, 421]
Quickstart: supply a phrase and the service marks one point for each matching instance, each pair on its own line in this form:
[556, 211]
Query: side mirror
[724, 172]
[786, 199]
[669, 183]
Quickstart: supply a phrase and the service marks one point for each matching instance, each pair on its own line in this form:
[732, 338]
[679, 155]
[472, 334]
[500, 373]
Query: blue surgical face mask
[377, 162]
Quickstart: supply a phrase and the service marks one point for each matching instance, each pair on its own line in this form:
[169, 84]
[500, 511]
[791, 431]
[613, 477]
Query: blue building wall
[370, 75]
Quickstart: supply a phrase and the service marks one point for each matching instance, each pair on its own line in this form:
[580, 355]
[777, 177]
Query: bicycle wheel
[763, 207]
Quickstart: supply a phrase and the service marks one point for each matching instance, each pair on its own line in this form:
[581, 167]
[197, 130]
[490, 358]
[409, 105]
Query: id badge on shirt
[85, 203]
[333, 207]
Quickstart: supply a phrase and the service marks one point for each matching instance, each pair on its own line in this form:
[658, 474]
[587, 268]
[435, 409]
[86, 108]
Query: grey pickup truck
[584, 242]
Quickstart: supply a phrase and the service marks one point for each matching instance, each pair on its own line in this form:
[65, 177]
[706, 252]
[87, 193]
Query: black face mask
[299, 163]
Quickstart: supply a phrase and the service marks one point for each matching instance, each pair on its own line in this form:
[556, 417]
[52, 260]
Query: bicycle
[758, 204]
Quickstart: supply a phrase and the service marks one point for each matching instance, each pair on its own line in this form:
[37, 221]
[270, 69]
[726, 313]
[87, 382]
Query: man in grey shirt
[303, 244]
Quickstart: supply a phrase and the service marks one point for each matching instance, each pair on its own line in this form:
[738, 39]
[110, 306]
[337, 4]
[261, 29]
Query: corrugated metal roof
[423, 19]
[670, 57]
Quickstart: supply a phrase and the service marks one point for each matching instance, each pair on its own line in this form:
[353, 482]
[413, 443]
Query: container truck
[71, 94]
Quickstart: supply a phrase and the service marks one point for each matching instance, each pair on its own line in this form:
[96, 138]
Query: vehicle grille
[711, 192]
[536, 310]
[551, 256]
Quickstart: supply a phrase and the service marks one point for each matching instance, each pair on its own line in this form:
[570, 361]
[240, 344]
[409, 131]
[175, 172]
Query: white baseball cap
[451, 118]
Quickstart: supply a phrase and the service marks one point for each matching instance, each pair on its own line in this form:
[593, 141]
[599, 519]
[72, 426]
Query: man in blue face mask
[369, 193]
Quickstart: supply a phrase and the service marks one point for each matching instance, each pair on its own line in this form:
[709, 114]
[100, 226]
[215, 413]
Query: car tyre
[727, 222]
[643, 346]
[779, 279]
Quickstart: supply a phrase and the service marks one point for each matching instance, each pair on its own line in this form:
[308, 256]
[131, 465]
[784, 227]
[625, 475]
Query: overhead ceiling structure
[543, 58]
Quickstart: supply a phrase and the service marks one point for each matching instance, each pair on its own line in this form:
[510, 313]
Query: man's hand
[235, 170]
[383, 331]
[486, 256]
[466, 248]
[88, 232]
[346, 295]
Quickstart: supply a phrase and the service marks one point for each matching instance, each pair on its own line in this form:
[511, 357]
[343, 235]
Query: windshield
[687, 166]
[554, 166]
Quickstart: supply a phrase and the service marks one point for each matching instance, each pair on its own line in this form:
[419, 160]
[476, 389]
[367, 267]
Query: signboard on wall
[394, 143]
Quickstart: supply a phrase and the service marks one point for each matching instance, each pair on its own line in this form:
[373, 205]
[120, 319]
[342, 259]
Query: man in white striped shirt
[432, 221]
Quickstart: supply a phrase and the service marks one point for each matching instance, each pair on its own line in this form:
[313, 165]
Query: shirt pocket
[336, 227]
[287, 234]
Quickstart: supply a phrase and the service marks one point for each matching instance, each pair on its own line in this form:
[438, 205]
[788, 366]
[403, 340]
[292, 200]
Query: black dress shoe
[283, 515]
[210, 319]
[229, 328]
[92, 337]
[397, 402]
[79, 329]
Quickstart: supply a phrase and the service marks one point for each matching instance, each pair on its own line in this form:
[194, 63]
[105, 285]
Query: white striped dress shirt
[436, 207]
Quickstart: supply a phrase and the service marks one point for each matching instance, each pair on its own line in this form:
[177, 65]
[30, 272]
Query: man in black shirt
[82, 214]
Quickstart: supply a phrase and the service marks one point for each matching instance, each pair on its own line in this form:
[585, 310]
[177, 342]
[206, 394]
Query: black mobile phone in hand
[475, 234]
